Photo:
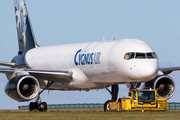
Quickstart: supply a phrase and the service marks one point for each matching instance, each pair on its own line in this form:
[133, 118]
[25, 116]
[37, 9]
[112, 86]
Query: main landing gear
[114, 95]
[41, 106]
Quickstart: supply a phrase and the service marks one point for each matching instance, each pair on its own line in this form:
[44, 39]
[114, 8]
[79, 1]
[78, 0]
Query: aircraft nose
[148, 69]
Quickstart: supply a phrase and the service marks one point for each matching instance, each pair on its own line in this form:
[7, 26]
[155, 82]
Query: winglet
[26, 38]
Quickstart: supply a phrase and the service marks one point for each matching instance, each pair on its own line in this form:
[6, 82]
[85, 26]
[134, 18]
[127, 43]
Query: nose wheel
[114, 95]
[107, 106]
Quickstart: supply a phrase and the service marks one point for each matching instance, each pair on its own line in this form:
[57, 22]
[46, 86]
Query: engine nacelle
[165, 84]
[22, 88]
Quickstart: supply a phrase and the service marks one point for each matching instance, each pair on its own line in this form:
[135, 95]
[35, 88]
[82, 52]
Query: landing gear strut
[41, 106]
[132, 86]
[114, 95]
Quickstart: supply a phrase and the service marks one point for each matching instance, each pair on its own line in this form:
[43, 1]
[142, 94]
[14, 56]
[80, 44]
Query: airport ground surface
[87, 115]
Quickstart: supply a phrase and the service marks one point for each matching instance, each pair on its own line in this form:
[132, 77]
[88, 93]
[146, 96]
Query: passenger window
[140, 55]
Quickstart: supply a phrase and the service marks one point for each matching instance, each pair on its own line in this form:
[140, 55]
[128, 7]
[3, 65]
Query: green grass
[89, 115]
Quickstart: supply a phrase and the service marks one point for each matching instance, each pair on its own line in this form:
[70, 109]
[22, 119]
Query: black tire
[107, 106]
[32, 106]
[43, 107]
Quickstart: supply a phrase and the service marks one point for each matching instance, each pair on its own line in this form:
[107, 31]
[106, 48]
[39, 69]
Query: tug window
[134, 95]
[146, 95]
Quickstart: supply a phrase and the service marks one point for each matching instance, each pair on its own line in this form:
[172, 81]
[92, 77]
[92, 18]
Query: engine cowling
[165, 84]
[22, 88]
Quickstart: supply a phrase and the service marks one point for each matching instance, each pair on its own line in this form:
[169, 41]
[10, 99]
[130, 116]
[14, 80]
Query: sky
[75, 21]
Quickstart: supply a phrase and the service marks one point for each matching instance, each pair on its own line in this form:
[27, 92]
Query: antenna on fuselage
[103, 38]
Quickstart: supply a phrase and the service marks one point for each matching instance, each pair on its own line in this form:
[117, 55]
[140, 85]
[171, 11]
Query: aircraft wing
[169, 69]
[8, 64]
[51, 75]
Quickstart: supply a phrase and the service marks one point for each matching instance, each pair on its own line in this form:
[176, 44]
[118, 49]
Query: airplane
[80, 66]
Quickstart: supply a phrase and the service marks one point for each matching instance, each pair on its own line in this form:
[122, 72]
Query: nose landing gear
[114, 95]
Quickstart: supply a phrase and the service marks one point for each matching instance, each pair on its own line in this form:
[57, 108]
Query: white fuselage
[96, 64]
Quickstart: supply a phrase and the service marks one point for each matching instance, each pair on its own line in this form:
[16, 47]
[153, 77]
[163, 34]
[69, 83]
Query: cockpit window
[126, 56]
[129, 56]
[154, 55]
[138, 55]
[151, 55]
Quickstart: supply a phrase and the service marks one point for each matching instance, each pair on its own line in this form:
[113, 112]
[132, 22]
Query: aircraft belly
[59, 86]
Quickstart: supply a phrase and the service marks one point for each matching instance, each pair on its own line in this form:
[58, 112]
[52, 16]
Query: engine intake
[165, 84]
[22, 88]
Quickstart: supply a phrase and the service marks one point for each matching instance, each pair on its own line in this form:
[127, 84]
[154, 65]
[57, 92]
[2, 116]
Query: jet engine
[165, 85]
[22, 88]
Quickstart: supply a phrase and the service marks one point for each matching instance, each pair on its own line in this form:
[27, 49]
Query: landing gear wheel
[43, 107]
[32, 106]
[107, 106]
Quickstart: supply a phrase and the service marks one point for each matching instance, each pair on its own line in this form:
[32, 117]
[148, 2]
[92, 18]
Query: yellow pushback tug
[141, 100]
